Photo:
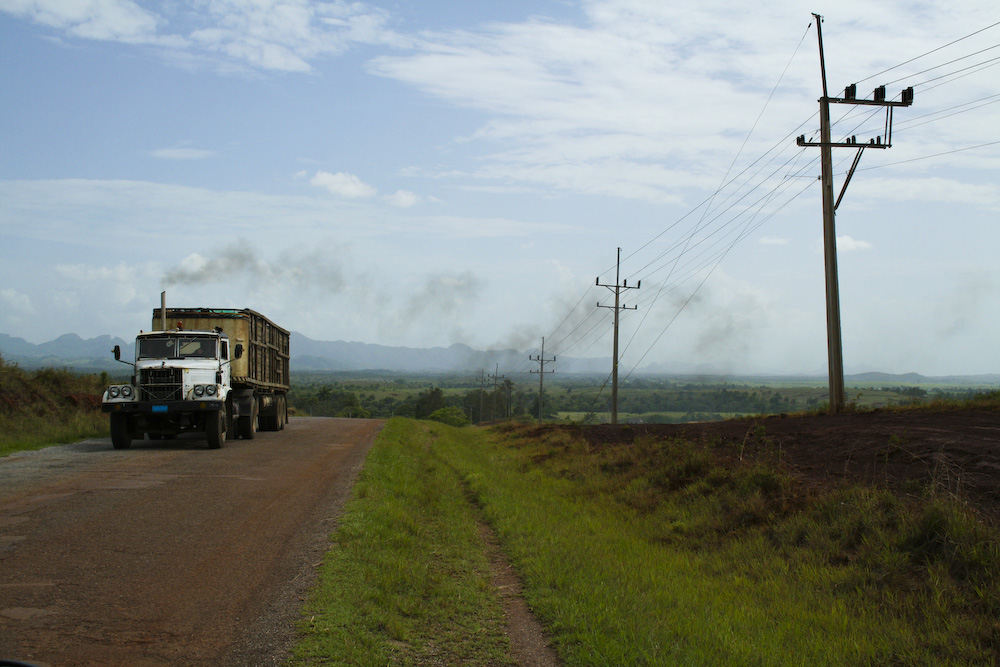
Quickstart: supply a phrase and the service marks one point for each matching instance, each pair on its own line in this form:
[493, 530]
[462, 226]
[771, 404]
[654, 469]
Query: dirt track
[959, 451]
[169, 553]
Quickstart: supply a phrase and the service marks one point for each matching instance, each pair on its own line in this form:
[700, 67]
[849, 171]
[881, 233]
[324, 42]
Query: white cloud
[116, 20]
[343, 185]
[119, 282]
[931, 189]
[772, 240]
[182, 153]
[13, 300]
[281, 35]
[847, 244]
[403, 199]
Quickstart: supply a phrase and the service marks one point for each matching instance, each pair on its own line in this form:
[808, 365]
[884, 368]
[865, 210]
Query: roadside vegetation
[48, 406]
[585, 399]
[650, 553]
[407, 580]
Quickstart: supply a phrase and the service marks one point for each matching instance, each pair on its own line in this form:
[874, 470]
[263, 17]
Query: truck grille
[160, 384]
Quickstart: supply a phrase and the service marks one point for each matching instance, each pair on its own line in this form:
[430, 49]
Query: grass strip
[655, 554]
[406, 581]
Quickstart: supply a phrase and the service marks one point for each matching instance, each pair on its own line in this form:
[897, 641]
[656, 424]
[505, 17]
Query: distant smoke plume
[967, 303]
[443, 295]
[442, 301]
[301, 270]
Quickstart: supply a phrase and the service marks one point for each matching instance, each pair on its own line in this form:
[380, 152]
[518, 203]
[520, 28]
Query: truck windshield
[176, 348]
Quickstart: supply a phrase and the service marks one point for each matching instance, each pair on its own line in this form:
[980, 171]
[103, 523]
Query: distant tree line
[384, 398]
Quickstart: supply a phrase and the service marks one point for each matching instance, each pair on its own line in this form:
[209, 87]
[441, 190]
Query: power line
[943, 76]
[930, 69]
[927, 157]
[907, 62]
[749, 180]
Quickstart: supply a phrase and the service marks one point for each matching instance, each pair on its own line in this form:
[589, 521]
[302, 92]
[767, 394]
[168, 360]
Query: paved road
[169, 553]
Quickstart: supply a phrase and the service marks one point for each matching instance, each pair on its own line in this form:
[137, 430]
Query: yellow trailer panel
[265, 359]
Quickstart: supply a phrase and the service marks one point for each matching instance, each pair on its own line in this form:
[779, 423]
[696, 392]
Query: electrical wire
[950, 62]
[927, 157]
[706, 247]
[907, 62]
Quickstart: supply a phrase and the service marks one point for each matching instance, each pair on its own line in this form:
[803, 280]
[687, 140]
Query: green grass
[658, 554]
[48, 406]
[649, 554]
[407, 581]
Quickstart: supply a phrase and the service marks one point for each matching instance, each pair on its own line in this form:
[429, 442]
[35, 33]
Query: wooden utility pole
[482, 391]
[495, 376]
[835, 358]
[541, 377]
[616, 288]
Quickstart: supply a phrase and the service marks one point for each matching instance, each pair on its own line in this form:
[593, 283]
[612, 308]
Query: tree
[428, 402]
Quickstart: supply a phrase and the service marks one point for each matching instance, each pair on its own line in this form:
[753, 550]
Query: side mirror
[117, 352]
[238, 351]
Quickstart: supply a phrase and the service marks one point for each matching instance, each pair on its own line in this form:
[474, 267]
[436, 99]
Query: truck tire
[232, 423]
[215, 429]
[248, 423]
[121, 435]
[282, 413]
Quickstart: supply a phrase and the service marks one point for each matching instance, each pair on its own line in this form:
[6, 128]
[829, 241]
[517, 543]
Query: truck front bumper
[163, 407]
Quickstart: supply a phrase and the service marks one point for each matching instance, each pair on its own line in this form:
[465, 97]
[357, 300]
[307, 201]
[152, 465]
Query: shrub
[451, 416]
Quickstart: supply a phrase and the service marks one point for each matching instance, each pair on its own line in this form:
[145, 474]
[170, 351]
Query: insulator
[851, 91]
[908, 95]
[880, 94]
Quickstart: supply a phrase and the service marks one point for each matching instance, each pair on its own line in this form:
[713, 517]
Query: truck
[218, 371]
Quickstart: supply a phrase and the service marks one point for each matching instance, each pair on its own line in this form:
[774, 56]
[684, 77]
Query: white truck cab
[181, 383]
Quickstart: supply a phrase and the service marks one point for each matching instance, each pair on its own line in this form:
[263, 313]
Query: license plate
[159, 408]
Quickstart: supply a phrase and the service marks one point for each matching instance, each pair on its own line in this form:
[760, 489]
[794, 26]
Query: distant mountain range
[72, 351]
[94, 354]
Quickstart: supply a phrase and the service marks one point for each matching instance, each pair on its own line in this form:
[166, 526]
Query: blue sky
[425, 173]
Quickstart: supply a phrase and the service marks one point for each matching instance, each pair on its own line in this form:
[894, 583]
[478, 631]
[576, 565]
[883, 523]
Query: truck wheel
[215, 429]
[282, 413]
[232, 423]
[248, 424]
[121, 436]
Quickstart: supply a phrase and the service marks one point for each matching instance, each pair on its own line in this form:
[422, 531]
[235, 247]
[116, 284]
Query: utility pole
[616, 288]
[835, 356]
[482, 390]
[509, 386]
[495, 376]
[541, 377]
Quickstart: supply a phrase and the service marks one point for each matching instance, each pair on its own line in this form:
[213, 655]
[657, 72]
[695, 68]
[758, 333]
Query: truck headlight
[126, 391]
[113, 392]
[211, 390]
[199, 390]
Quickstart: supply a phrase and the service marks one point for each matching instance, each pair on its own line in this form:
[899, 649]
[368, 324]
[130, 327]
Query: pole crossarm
[852, 143]
[880, 101]
[907, 99]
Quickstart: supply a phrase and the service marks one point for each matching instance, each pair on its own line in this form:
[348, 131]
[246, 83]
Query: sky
[423, 173]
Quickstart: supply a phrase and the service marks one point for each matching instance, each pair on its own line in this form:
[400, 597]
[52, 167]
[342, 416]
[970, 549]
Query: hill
[94, 354]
